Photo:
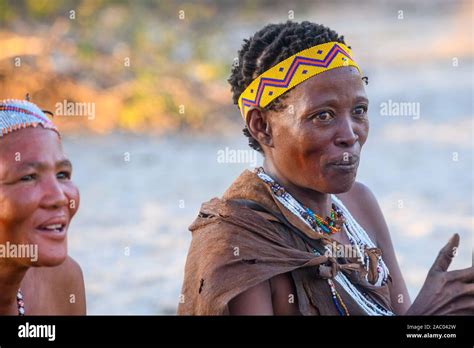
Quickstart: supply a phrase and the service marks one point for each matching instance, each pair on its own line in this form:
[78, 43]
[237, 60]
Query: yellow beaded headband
[292, 71]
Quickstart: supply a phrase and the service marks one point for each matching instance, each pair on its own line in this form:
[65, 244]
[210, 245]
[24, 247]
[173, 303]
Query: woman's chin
[50, 258]
[341, 186]
[338, 179]
[51, 248]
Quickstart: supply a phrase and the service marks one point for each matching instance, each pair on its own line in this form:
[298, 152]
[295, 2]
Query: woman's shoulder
[66, 272]
[363, 206]
[63, 287]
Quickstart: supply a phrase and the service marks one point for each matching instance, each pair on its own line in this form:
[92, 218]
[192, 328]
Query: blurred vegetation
[147, 65]
[162, 65]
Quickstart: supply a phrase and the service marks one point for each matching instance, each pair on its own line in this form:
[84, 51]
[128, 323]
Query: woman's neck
[318, 202]
[11, 277]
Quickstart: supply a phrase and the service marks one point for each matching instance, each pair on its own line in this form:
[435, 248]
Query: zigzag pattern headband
[18, 114]
[292, 71]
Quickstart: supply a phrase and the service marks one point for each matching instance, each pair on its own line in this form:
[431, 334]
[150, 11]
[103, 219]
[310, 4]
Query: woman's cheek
[25, 202]
[364, 133]
[72, 193]
[314, 144]
[17, 207]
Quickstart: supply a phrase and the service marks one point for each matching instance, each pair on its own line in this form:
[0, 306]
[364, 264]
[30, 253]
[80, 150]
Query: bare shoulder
[362, 193]
[67, 272]
[66, 285]
[254, 301]
[363, 206]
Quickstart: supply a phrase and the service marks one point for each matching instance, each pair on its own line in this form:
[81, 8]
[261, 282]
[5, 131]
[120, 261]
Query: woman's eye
[29, 177]
[360, 111]
[64, 175]
[322, 116]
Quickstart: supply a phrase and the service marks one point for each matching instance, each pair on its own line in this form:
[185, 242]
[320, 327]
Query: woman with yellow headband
[37, 202]
[300, 235]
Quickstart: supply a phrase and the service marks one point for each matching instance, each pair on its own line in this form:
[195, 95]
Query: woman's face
[325, 123]
[37, 196]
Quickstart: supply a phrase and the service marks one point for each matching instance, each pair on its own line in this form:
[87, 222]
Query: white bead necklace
[358, 238]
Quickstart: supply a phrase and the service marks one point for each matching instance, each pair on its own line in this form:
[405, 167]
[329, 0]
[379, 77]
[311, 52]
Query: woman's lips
[347, 162]
[57, 234]
[54, 228]
[345, 167]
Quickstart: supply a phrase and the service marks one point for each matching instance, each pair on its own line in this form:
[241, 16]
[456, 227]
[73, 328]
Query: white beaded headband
[19, 114]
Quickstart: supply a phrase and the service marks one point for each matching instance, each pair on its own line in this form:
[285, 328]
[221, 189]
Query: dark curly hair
[268, 47]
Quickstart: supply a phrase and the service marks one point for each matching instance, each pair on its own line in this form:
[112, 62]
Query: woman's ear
[259, 126]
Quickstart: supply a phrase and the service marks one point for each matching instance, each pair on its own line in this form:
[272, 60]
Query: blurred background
[139, 91]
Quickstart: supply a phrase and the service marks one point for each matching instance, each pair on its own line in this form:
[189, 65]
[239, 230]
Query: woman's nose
[346, 135]
[53, 194]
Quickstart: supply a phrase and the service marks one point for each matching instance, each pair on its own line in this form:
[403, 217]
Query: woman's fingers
[463, 275]
[445, 256]
[468, 292]
[464, 304]
[463, 311]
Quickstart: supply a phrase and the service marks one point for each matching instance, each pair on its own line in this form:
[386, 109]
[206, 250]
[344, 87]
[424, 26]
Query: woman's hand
[446, 293]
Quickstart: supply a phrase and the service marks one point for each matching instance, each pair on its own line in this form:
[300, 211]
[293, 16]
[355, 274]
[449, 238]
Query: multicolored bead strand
[357, 237]
[337, 299]
[20, 303]
[330, 225]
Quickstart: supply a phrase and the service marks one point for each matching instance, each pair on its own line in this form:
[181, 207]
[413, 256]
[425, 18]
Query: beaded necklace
[20, 303]
[358, 238]
[330, 225]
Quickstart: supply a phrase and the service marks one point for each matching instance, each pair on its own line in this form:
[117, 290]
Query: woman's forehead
[26, 143]
[345, 79]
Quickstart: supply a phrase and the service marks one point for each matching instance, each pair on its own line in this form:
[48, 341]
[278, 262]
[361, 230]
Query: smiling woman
[269, 245]
[37, 202]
